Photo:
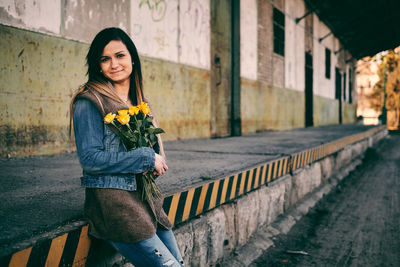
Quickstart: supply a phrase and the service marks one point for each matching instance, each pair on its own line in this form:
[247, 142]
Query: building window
[327, 63]
[279, 32]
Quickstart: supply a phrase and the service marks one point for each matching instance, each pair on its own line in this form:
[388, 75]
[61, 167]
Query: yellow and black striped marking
[69, 249]
[72, 249]
[188, 204]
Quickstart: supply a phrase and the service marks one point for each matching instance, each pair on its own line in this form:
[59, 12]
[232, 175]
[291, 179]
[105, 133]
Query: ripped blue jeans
[160, 250]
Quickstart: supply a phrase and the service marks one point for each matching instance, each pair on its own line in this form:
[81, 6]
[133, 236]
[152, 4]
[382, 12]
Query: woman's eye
[120, 55]
[104, 59]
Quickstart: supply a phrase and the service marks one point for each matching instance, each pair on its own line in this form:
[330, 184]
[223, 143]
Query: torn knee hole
[157, 253]
[168, 263]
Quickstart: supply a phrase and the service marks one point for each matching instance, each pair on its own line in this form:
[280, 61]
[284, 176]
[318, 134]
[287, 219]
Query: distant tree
[389, 67]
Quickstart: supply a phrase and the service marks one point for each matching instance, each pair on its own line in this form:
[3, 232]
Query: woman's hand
[160, 165]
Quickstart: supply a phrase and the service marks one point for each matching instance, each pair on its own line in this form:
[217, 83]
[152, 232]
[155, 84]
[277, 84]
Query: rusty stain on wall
[265, 107]
[326, 111]
[180, 96]
[39, 74]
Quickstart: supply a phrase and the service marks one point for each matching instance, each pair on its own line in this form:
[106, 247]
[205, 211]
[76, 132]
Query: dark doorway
[338, 94]
[309, 90]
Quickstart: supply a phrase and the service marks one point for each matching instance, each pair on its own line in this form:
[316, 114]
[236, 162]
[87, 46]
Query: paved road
[357, 225]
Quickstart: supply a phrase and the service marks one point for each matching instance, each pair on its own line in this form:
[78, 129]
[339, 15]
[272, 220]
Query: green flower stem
[150, 189]
[136, 124]
[129, 127]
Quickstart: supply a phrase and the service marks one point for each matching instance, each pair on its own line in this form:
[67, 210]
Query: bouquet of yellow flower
[136, 129]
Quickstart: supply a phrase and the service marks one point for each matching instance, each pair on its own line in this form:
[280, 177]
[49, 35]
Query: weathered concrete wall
[175, 42]
[268, 107]
[155, 28]
[212, 237]
[265, 40]
[295, 46]
[83, 19]
[43, 15]
[37, 88]
[181, 97]
[38, 75]
[323, 86]
[349, 112]
[326, 111]
[177, 31]
[248, 39]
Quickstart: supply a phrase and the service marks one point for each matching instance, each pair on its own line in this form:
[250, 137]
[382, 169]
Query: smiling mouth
[115, 72]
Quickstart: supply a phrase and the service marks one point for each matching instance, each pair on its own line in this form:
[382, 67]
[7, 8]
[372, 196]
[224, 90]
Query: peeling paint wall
[248, 39]
[194, 33]
[44, 44]
[323, 86]
[177, 31]
[37, 87]
[83, 19]
[181, 98]
[43, 15]
[326, 111]
[155, 28]
[38, 75]
[268, 107]
[295, 46]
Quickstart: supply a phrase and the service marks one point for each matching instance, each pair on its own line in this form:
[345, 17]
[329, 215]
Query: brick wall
[270, 65]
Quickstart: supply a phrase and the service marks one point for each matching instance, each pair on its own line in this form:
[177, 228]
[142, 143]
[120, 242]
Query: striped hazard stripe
[69, 249]
[188, 204]
[72, 248]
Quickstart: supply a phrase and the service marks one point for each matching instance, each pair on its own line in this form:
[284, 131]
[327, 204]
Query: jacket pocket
[112, 142]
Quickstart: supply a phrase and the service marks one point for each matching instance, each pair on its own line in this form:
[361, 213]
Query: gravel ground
[358, 224]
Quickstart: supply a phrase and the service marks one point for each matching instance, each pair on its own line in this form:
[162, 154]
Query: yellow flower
[109, 118]
[122, 112]
[144, 107]
[133, 110]
[123, 119]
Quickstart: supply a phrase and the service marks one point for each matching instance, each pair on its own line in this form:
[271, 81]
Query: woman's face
[116, 62]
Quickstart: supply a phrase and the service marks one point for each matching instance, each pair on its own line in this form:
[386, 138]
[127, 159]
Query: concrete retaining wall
[212, 237]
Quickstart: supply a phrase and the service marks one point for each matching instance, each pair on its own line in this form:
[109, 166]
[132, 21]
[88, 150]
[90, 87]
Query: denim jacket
[104, 159]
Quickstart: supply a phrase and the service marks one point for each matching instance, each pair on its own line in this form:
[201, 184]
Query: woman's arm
[88, 129]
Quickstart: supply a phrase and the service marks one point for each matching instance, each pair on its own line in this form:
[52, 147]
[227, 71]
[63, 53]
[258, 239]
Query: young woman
[139, 230]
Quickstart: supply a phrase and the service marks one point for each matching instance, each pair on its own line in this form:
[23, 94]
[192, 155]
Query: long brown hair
[100, 84]
[97, 81]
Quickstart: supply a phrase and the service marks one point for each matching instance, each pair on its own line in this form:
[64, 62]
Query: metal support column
[236, 129]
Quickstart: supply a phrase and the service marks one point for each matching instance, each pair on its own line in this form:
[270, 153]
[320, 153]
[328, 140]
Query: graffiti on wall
[183, 36]
[194, 37]
[157, 8]
[152, 25]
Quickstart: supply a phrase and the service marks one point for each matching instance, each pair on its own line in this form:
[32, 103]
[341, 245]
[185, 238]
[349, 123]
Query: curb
[263, 238]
